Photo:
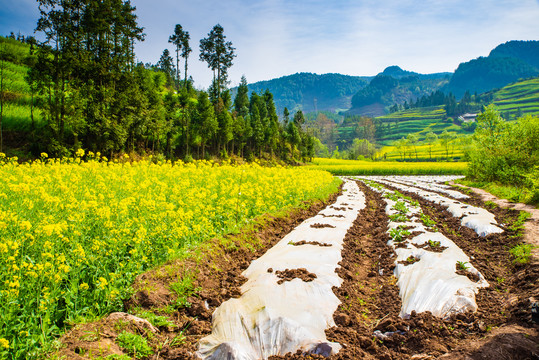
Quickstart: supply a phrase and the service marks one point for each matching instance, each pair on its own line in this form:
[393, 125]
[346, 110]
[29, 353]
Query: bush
[504, 152]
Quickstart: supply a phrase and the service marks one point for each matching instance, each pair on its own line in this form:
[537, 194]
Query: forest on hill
[505, 64]
[394, 86]
[311, 92]
[82, 89]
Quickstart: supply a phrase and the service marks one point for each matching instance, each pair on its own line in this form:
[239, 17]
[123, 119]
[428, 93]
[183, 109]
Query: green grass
[134, 344]
[521, 253]
[17, 117]
[435, 152]
[16, 112]
[359, 167]
[509, 192]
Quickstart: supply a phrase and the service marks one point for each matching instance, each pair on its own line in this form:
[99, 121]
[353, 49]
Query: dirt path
[531, 233]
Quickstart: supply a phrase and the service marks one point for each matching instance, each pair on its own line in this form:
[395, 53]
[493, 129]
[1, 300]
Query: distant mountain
[372, 96]
[398, 73]
[505, 64]
[394, 86]
[310, 92]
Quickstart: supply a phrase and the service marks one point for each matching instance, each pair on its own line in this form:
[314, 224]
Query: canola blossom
[343, 167]
[75, 234]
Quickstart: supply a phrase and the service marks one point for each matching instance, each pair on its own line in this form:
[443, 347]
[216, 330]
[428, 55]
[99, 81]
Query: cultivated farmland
[424, 270]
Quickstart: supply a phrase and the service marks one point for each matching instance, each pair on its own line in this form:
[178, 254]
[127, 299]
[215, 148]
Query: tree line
[94, 95]
[438, 98]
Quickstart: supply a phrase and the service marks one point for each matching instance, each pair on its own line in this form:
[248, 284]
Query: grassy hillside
[420, 121]
[15, 60]
[518, 98]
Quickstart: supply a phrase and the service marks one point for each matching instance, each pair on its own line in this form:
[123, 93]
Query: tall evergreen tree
[218, 53]
[180, 39]
[176, 39]
[241, 102]
[186, 50]
[166, 65]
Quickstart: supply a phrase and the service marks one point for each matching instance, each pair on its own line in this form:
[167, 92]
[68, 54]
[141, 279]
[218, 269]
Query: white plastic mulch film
[427, 264]
[478, 219]
[276, 315]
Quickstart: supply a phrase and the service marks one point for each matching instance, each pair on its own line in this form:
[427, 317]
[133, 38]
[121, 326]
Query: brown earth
[291, 274]
[368, 325]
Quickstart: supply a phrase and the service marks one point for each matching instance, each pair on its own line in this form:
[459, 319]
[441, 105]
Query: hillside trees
[84, 70]
[95, 97]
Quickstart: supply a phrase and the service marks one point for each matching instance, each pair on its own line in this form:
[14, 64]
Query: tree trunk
[185, 74]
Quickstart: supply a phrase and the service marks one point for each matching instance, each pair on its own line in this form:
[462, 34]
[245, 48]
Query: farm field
[521, 97]
[435, 152]
[357, 167]
[402, 247]
[75, 234]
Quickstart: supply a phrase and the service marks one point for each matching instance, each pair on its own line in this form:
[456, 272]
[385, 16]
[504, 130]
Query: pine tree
[218, 53]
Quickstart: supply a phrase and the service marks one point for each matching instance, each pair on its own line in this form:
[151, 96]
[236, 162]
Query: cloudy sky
[274, 38]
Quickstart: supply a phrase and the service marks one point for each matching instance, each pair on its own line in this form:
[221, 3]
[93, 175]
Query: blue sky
[281, 37]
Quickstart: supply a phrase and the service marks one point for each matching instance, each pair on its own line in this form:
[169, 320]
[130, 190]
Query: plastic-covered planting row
[287, 301]
[433, 273]
[478, 219]
[432, 183]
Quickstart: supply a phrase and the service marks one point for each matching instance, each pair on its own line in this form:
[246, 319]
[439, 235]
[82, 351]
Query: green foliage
[116, 357]
[400, 206]
[518, 225]
[521, 253]
[504, 152]
[184, 288]
[461, 265]
[399, 217]
[434, 244]
[393, 89]
[527, 51]
[427, 221]
[399, 233]
[218, 54]
[156, 320]
[134, 344]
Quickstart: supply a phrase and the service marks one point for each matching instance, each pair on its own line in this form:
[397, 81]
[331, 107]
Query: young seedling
[461, 265]
[398, 217]
[427, 221]
[399, 233]
[400, 206]
[434, 244]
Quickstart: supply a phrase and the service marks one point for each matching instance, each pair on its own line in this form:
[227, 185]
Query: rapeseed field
[75, 233]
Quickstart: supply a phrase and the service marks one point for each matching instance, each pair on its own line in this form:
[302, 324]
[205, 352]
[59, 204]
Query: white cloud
[279, 37]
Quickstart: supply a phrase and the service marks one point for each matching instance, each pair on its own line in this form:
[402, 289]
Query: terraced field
[417, 120]
[521, 97]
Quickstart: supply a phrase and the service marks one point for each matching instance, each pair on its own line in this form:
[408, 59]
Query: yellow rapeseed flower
[4, 344]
